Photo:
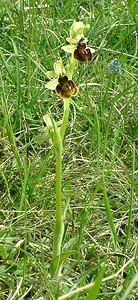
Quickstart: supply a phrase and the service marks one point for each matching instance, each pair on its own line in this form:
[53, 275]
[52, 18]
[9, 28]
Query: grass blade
[94, 290]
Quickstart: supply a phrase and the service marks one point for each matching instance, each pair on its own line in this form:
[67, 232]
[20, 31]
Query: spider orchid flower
[78, 43]
[59, 82]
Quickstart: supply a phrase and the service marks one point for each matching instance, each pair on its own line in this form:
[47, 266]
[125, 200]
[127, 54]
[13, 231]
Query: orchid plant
[61, 81]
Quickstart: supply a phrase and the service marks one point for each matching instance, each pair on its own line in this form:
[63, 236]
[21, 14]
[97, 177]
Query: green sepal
[77, 39]
[52, 74]
[51, 85]
[58, 67]
[78, 28]
[58, 70]
[72, 40]
[92, 50]
[69, 48]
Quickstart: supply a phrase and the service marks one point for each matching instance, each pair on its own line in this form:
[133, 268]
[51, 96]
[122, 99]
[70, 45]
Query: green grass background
[100, 150]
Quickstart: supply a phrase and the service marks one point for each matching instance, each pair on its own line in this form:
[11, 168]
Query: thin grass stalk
[106, 201]
[17, 63]
[109, 216]
[131, 199]
[10, 134]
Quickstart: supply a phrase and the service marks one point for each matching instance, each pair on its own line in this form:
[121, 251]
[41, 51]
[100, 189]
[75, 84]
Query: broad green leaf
[2, 270]
[71, 242]
[51, 85]
[69, 48]
[94, 290]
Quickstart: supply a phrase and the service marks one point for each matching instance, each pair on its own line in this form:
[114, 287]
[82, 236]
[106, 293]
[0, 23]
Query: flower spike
[64, 87]
[78, 43]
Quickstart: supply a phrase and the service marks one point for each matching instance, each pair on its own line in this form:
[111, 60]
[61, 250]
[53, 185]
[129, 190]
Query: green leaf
[54, 131]
[48, 122]
[71, 242]
[130, 287]
[109, 217]
[57, 137]
[51, 85]
[94, 290]
[59, 260]
[69, 48]
[42, 138]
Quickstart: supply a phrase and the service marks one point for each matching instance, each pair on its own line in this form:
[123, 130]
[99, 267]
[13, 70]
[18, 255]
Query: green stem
[71, 67]
[56, 263]
[65, 118]
[59, 224]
